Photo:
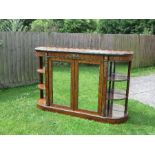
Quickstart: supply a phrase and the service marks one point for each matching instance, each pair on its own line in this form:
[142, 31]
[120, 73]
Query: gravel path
[143, 89]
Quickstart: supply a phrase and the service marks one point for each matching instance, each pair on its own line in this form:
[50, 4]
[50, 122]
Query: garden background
[18, 38]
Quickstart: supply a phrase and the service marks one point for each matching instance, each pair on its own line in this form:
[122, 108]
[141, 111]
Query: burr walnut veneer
[108, 107]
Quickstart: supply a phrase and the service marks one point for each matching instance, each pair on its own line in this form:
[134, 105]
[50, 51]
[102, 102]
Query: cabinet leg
[127, 89]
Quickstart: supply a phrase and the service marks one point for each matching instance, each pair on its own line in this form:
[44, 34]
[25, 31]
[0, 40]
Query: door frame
[74, 83]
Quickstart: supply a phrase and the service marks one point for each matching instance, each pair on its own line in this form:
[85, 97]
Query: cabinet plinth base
[116, 118]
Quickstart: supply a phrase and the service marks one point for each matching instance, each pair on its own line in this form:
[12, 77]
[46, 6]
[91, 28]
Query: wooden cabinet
[103, 62]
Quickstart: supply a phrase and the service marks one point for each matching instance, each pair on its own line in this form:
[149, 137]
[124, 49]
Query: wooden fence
[18, 64]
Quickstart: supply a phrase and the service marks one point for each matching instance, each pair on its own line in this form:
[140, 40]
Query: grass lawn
[19, 115]
[139, 71]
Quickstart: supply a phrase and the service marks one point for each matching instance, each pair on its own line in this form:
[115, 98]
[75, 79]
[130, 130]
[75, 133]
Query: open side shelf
[118, 110]
[117, 77]
[42, 101]
[116, 95]
[41, 70]
[41, 86]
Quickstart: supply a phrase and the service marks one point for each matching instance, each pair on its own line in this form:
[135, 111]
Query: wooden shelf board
[42, 101]
[116, 95]
[41, 70]
[41, 86]
[118, 77]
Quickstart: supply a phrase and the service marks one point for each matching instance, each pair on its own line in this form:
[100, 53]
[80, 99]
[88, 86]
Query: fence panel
[18, 64]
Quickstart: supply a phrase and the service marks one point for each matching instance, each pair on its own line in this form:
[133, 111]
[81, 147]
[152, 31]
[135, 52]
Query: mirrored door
[88, 86]
[60, 84]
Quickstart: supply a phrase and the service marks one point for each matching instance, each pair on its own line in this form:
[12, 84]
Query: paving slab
[142, 88]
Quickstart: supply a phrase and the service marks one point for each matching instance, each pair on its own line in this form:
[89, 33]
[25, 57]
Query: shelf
[116, 95]
[118, 77]
[41, 86]
[41, 70]
[118, 111]
[42, 101]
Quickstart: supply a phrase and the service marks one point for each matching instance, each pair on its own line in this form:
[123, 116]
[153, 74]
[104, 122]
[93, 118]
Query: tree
[79, 25]
[47, 25]
[12, 25]
[126, 26]
[27, 22]
[108, 26]
[64, 25]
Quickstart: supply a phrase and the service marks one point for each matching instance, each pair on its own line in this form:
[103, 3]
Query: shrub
[46, 25]
[79, 26]
[12, 25]
[126, 26]
[67, 25]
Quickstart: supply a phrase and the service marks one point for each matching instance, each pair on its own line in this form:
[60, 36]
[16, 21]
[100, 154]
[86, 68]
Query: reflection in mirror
[61, 83]
[88, 87]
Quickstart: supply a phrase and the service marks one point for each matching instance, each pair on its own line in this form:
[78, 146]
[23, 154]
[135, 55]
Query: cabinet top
[84, 51]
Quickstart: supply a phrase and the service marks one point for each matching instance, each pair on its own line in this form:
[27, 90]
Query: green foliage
[12, 25]
[27, 22]
[60, 25]
[79, 26]
[46, 25]
[105, 26]
[126, 26]
[112, 26]
[39, 25]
